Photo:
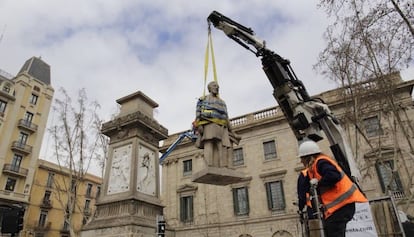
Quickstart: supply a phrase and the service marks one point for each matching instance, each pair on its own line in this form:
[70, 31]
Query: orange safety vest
[308, 201]
[343, 192]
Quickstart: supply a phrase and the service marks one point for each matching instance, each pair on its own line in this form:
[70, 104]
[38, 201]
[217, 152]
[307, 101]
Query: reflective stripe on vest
[341, 194]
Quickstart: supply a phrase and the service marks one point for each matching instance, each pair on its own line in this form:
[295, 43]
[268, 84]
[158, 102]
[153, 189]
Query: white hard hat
[308, 147]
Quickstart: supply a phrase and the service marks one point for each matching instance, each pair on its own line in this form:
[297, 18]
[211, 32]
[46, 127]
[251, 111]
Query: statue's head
[213, 87]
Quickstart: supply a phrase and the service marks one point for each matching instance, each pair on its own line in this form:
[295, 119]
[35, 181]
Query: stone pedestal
[218, 176]
[130, 197]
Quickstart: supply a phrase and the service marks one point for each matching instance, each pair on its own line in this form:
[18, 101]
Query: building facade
[264, 203]
[25, 101]
[52, 187]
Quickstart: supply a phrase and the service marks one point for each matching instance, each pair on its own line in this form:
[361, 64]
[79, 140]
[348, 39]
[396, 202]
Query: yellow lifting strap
[209, 48]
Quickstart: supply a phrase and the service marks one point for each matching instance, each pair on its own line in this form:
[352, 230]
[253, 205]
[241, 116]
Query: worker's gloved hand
[313, 181]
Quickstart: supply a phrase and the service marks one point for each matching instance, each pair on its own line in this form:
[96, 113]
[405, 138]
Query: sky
[115, 48]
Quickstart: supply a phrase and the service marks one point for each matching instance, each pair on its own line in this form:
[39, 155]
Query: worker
[338, 194]
[213, 129]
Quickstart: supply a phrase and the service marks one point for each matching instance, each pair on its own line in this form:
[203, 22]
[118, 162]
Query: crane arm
[187, 134]
[306, 116]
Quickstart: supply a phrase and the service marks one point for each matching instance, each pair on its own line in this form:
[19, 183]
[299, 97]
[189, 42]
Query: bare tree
[77, 143]
[367, 45]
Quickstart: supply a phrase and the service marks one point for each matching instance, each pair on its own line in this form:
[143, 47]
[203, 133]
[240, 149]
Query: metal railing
[16, 145]
[14, 169]
[23, 123]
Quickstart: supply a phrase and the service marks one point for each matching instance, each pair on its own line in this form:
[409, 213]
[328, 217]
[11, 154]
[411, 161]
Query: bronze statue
[213, 128]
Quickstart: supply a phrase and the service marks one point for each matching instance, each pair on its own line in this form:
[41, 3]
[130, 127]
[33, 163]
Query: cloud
[114, 48]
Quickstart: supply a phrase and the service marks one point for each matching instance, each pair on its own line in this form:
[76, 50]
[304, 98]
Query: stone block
[218, 176]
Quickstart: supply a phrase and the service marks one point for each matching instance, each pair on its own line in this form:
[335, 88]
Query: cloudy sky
[114, 48]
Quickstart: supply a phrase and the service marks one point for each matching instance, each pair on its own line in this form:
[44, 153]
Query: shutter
[190, 208]
[247, 201]
[282, 198]
[235, 201]
[269, 196]
[182, 209]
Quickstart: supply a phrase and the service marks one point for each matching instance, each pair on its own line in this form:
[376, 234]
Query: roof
[37, 68]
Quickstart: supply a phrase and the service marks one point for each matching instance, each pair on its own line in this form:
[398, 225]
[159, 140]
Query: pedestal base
[218, 176]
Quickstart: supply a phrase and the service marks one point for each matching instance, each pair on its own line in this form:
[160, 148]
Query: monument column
[130, 197]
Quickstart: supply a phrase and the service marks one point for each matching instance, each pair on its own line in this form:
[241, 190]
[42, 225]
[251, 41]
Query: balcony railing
[21, 147]
[398, 195]
[42, 227]
[46, 203]
[15, 170]
[27, 125]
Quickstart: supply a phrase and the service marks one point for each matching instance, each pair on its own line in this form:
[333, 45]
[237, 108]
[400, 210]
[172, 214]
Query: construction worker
[338, 194]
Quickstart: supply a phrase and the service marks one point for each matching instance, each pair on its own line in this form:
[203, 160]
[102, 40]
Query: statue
[212, 126]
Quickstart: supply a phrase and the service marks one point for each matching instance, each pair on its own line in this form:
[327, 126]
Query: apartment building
[53, 188]
[263, 204]
[25, 101]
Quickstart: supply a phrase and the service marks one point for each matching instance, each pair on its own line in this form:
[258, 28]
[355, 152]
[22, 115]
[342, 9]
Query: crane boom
[307, 116]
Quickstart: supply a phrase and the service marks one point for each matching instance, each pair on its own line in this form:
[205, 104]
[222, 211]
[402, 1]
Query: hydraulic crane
[306, 116]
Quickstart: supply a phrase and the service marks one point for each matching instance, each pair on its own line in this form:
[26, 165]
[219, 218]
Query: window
[98, 191]
[89, 190]
[186, 209]
[87, 204]
[372, 126]
[269, 150]
[46, 197]
[3, 106]
[10, 184]
[23, 138]
[187, 167]
[389, 180]
[33, 99]
[275, 196]
[49, 182]
[17, 160]
[238, 158]
[240, 201]
[28, 117]
[42, 218]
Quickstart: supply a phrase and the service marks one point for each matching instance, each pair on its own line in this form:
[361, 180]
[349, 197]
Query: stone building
[25, 101]
[263, 204]
[45, 215]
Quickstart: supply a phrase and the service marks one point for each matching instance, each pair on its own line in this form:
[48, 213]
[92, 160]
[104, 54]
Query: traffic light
[160, 226]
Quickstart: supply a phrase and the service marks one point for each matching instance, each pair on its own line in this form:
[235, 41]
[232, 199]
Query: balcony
[7, 95]
[27, 125]
[46, 204]
[42, 227]
[15, 170]
[398, 195]
[21, 147]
